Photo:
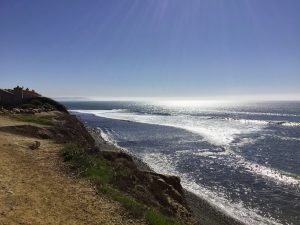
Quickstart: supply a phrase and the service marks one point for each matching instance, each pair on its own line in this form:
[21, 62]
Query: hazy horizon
[210, 49]
[250, 98]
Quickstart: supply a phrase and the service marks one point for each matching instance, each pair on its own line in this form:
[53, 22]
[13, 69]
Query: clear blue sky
[151, 48]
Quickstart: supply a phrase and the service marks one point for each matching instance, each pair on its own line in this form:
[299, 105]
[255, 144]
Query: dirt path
[33, 190]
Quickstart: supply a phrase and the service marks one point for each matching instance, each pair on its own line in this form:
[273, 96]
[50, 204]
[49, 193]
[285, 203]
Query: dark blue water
[243, 158]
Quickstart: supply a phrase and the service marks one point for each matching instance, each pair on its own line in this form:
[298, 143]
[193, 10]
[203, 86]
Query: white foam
[208, 153]
[291, 124]
[215, 131]
[279, 177]
[107, 136]
[161, 163]
[255, 113]
[283, 137]
[244, 121]
[268, 173]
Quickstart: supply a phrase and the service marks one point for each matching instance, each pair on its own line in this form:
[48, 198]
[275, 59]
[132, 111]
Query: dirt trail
[34, 190]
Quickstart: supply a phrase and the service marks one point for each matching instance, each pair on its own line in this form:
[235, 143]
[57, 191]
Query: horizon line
[183, 98]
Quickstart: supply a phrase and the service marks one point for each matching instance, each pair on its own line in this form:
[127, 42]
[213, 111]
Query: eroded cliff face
[161, 192]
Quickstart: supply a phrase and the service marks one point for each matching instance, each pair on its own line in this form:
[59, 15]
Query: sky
[152, 48]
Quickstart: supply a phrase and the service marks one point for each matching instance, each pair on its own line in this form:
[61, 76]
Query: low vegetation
[43, 120]
[101, 173]
[153, 218]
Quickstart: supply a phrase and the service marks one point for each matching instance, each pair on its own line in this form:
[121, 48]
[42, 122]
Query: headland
[59, 171]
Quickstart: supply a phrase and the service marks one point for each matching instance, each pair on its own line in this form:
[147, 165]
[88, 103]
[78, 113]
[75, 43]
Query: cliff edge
[147, 197]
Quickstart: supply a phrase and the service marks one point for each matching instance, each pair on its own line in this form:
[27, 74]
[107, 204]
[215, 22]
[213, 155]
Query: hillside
[54, 173]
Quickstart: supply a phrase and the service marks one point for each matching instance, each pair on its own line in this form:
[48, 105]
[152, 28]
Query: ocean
[243, 158]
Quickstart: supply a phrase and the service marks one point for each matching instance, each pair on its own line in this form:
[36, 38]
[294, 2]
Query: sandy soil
[34, 189]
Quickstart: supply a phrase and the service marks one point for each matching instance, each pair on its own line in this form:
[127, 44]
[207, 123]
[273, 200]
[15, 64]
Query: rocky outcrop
[70, 129]
[163, 192]
[156, 190]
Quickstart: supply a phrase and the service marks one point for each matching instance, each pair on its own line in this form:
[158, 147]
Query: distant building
[16, 95]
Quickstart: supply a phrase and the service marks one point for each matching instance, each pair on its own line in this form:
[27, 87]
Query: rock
[35, 145]
[160, 191]
[16, 110]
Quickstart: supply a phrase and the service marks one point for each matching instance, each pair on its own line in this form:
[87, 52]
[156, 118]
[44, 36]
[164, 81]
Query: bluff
[161, 192]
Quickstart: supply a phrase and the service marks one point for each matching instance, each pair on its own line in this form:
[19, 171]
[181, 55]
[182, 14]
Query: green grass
[43, 120]
[135, 208]
[155, 218]
[102, 174]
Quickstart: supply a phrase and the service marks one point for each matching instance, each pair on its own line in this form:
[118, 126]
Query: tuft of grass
[156, 218]
[135, 208]
[88, 166]
[43, 120]
[102, 174]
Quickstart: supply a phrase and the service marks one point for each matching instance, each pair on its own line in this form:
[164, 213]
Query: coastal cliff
[146, 196]
[43, 131]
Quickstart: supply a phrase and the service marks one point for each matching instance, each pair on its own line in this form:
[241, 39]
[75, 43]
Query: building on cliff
[16, 95]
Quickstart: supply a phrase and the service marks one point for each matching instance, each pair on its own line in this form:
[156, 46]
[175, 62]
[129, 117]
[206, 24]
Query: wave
[283, 137]
[279, 177]
[254, 113]
[247, 121]
[265, 122]
[216, 131]
[238, 162]
[161, 163]
[107, 136]
[220, 132]
[291, 124]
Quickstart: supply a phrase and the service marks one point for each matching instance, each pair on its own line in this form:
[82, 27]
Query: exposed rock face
[69, 129]
[160, 191]
[163, 192]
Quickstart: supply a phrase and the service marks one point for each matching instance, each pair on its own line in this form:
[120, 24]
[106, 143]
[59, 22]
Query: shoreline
[204, 212]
